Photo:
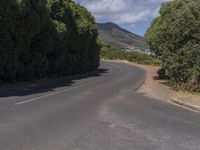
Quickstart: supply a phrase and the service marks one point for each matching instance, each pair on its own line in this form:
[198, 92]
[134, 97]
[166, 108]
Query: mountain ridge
[113, 34]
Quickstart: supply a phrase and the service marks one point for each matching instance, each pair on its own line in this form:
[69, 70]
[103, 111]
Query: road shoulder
[157, 89]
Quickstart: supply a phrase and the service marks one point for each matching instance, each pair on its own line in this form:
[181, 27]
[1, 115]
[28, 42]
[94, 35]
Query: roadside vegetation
[46, 38]
[174, 37]
[112, 53]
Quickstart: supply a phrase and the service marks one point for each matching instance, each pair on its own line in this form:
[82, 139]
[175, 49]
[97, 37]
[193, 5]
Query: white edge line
[120, 68]
[52, 94]
[56, 93]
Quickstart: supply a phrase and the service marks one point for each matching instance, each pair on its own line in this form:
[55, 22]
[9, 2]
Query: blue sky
[133, 15]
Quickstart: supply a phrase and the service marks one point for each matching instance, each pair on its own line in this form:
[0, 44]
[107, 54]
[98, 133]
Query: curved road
[98, 111]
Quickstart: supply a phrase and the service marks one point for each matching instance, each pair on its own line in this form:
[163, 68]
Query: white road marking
[55, 93]
[60, 92]
[116, 66]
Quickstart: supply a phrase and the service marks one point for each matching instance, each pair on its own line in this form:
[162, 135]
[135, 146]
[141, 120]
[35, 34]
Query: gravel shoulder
[155, 88]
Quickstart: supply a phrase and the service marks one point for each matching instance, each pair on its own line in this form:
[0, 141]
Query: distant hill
[112, 34]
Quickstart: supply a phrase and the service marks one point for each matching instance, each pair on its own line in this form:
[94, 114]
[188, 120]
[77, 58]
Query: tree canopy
[174, 36]
[46, 38]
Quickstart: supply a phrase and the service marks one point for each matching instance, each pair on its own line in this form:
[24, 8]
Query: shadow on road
[48, 85]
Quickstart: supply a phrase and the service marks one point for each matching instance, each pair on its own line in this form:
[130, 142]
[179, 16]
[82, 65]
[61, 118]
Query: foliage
[112, 53]
[43, 38]
[162, 73]
[8, 39]
[174, 37]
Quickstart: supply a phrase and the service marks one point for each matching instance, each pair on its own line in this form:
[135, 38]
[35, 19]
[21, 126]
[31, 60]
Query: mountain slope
[113, 34]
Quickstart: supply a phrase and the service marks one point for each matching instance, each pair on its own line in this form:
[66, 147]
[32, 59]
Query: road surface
[98, 111]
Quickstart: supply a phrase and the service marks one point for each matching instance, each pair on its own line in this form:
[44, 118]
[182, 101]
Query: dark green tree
[8, 40]
[78, 37]
[40, 38]
[174, 36]
[39, 35]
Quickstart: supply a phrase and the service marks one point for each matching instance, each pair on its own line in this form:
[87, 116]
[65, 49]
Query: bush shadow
[47, 85]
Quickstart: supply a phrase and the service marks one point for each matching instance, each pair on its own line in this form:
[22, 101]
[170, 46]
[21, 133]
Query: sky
[133, 15]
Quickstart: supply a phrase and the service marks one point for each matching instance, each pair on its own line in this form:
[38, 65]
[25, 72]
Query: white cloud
[123, 11]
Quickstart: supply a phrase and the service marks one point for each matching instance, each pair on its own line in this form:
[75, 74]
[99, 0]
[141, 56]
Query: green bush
[43, 38]
[112, 53]
[174, 38]
[9, 12]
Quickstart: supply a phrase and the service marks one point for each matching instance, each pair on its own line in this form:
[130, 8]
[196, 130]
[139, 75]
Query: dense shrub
[9, 12]
[43, 38]
[174, 37]
[112, 53]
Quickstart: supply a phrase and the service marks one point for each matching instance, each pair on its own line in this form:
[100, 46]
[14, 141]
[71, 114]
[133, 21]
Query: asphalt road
[98, 111]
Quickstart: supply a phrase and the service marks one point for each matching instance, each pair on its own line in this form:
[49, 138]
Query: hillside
[113, 34]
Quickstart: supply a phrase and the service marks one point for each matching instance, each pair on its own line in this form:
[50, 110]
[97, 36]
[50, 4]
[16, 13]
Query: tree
[78, 37]
[8, 40]
[39, 37]
[174, 36]
[43, 38]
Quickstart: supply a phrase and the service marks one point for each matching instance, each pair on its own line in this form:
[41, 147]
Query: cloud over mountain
[123, 11]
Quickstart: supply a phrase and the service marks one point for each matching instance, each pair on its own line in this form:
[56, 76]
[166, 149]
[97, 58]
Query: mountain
[112, 34]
